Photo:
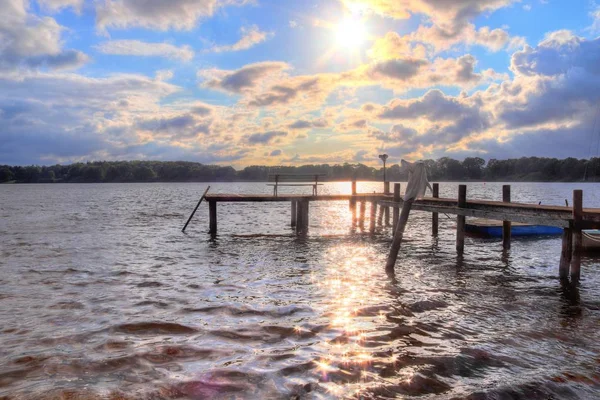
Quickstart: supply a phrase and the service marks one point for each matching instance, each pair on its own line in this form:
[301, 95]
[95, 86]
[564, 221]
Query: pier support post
[506, 225]
[382, 211]
[294, 213]
[212, 216]
[435, 216]
[302, 221]
[398, 234]
[566, 253]
[353, 204]
[396, 211]
[373, 216]
[386, 190]
[577, 235]
[460, 220]
[361, 218]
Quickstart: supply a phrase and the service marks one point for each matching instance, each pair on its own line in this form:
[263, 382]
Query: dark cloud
[265, 137]
[401, 69]
[246, 77]
[275, 153]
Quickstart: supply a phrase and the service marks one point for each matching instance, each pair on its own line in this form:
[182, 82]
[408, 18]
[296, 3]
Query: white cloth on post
[417, 180]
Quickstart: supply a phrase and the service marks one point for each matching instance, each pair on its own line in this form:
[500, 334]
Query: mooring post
[353, 204]
[294, 213]
[566, 252]
[577, 235]
[386, 190]
[212, 212]
[506, 225]
[460, 220]
[373, 216]
[361, 218]
[398, 234]
[302, 221]
[396, 211]
[435, 216]
[382, 210]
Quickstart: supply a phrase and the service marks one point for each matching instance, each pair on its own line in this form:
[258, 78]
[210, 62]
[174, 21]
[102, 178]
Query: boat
[591, 239]
[492, 228]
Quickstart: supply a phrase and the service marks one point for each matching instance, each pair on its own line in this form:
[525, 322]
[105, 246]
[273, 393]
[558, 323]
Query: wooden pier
[571, 219]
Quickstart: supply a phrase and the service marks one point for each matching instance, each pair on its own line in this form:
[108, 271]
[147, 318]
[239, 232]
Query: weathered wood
[373, 217]
[506, 225]
[294, 213]
[212, 213]
[468, 212]
[361, 218]
[266, 198]
[195, 209]
[386, 210]
[577, 235]
[396, 211]
[566, 253]
[460, 220]
[382, 210]
[435, 216]
[398, 235]
[303, 217]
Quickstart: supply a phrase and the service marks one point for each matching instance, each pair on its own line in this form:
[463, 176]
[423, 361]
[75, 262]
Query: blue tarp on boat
[495, 230]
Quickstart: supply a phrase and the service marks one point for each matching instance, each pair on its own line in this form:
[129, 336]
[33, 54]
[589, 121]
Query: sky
[282, 82]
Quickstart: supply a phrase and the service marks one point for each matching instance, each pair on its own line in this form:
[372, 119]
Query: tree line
[532, 169]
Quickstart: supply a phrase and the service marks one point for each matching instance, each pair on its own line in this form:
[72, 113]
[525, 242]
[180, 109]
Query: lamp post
[384, 158]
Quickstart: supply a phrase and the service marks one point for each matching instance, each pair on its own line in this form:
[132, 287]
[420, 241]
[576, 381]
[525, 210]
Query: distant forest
[532, 169]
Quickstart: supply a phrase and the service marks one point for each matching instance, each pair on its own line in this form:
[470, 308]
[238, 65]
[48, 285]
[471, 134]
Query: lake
[103, 297]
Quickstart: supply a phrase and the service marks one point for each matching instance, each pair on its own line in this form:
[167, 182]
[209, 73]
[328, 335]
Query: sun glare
[351, 33]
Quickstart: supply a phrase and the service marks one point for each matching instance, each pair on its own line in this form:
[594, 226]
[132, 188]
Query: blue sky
[246, 82]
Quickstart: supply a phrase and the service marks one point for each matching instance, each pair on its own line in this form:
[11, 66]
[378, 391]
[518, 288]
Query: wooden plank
[396, 210]
[398, 235]
[260, 198]
[496, 216]
[212, 213]
[506, 225]
[460, 219]
[577, 235]
[434, 215]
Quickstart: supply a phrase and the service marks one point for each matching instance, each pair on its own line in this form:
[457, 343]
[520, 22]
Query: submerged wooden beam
[577, 235]
[195, 209]
[460, 220]
[435, 216]
[398, 235]
[506, 225]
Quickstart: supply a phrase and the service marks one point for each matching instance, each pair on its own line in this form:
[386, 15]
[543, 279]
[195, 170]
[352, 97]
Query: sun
[351, 33]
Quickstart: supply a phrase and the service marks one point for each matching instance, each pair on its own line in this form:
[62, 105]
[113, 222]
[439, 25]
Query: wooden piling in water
[435, 216]
[373, 217]
[294, 213]
[212, 215]
[353, 204]
[396, 211]
[398, 235]
[506, 225]
[566, 253]
[302, 217]
[460, 220]
[577, 235]
[361, 218]
[386, 190]
[382, 210]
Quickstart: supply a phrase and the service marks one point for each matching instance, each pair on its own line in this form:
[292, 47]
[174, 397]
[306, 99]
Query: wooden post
[398, 234]
[195, 209]
[361, 218]
[577, 235]
[382, 211]
[566, 253]
[460, 220]
[386, 190]
[506, 225]
[212, 211]
[435, 216]
[302, 221]
[294, 213]
[396, 211]
[373, 216]
[353, 204]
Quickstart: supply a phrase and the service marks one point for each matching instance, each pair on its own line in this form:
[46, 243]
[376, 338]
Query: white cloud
[251, 36]
[139, 48]
[57, 5]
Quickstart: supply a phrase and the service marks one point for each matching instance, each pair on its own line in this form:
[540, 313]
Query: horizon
[258, 82]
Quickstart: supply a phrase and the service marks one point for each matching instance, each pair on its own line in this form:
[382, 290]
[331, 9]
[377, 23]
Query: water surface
[103, 297]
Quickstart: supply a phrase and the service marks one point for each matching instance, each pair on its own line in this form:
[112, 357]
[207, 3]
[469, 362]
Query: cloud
[302, 124]
[157, 14]
[265, 137]
[57, 5]
[251, 36]
[139, 48]
[243, 79]
[276, 153]
[28, 41]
